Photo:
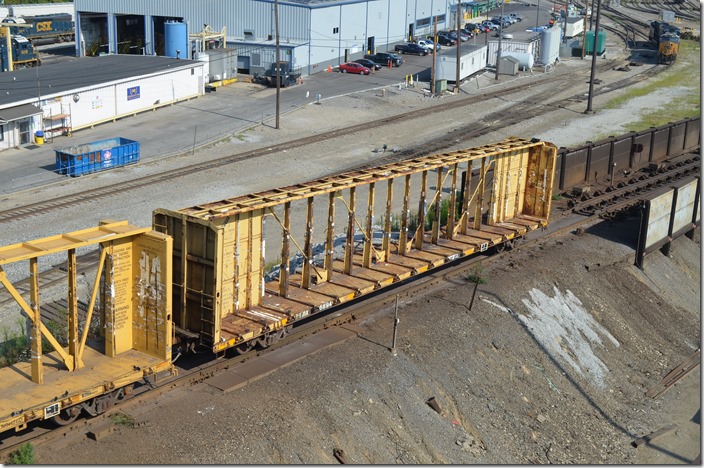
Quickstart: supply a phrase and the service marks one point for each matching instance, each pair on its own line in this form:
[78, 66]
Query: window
[335, 30]
[423, 22]
[248, 35]
[2, 133]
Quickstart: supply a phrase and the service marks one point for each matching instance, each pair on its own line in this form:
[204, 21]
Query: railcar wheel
[67, 416]
[245, 347]
[498, 248]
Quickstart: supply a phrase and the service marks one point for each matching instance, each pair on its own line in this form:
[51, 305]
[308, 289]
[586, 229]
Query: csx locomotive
[666, 38]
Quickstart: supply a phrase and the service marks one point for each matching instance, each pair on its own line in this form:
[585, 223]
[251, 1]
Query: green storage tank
[600, 42]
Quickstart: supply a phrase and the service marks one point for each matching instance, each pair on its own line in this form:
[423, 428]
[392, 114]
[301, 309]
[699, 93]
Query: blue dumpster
[96, 156]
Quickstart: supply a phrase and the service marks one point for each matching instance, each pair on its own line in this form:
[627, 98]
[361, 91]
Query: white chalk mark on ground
[562, 325]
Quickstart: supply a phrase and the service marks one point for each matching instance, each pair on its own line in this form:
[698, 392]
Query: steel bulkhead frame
[512, 176]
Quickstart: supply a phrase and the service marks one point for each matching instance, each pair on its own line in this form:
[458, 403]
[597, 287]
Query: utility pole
[537, 16]
[501, 33]
[432, 68]
[591, 79]
[584, 40]
[459, 41]
[278, 65]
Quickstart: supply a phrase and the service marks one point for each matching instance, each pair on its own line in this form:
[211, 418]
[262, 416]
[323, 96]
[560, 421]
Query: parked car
[473, 28]
[491, 25]
[384, 57]
[498, 21]
[428, 44]
[463, 35]
[444, 38]
[354, 67]
[510, 19]
[516, 15]
[482, 28]
[411, 48]
[369, 64]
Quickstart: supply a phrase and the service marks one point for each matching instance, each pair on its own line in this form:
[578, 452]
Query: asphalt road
[175, 129]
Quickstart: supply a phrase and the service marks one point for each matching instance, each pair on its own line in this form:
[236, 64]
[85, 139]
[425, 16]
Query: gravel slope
[508, 396]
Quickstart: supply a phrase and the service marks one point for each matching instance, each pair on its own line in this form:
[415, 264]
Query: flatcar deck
[497, 193]
[20, 395]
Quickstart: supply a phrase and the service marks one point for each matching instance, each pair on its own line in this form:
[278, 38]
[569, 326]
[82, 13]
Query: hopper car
[197, 278]
[666, 38]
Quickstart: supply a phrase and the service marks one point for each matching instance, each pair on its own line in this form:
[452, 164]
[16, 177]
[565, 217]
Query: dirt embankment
[549, 366]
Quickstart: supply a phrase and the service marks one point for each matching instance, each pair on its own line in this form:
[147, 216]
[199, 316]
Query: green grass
[24, 455]
[684, 73]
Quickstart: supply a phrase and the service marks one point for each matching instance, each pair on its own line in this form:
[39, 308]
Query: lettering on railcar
[52, 410]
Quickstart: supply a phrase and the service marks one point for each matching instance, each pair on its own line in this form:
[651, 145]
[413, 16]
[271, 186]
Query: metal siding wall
[398, 28]
[163, 88]
[324, 46]
[378, 23]
[94, 105]
[235, 15]
[353, 28]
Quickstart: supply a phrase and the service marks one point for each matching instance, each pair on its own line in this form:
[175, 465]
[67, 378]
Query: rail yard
[216, 285]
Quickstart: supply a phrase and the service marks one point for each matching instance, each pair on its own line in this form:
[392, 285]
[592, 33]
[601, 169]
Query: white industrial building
[313, 33]
[63, 97]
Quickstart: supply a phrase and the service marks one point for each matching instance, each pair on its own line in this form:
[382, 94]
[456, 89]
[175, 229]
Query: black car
[446, 40]
[368, 63]
[411, 48]
[383, 58]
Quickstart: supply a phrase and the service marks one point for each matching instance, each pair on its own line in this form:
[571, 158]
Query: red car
[354, 67]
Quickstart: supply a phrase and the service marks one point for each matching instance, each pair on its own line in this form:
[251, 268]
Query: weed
[476, 276]
[122, 419]
[24, 455]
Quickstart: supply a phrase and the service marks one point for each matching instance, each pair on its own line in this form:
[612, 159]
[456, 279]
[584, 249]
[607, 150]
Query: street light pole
[537, 17]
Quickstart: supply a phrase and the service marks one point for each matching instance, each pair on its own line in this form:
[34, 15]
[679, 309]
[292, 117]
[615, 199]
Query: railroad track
[348, 313]
[628, 193]
[490, 123]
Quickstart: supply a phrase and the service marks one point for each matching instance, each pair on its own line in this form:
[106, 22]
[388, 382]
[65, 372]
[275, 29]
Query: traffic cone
[329, 70]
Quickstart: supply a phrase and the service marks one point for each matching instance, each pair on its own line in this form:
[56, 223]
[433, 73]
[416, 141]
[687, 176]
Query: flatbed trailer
[133, 289]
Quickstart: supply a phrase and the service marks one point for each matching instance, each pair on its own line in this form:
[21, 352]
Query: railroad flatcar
[198, 276]
[44, 28]
[666, 38]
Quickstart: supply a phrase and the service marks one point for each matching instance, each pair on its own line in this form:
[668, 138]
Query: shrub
[23, 455]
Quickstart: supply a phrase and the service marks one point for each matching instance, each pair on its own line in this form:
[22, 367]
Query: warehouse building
[313, 33]
[59, 98]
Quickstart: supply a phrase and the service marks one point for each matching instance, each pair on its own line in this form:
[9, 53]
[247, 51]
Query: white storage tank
[550, 46]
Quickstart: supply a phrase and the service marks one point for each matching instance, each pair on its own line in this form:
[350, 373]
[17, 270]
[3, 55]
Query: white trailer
[472, 60]
[575, 27]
